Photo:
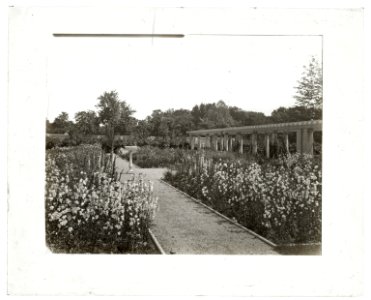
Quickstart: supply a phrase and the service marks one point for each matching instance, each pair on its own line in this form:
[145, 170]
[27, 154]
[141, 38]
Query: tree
[61, 123]
[165, 128]
[171, 125]
[212, 115]
[247, 118]
[154, 121]
[183, 121]
[197, 115]
[309, 89]
[127, 127]
[113, 114]
[142, 131]
[87, 122]
[295, 114]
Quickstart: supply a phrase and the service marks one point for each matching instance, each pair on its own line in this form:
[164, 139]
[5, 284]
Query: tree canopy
[212, 115]
[295, 114]
[113, 114]
[87, 121]
[61, 124]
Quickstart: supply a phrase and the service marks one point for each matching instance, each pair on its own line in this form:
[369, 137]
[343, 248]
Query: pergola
[223, 138]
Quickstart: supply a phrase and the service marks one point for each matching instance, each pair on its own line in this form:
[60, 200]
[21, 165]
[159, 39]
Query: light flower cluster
[281, 201]
[86, 207]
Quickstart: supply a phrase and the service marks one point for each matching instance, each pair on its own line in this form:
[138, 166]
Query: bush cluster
[154, 157]
[76, 139]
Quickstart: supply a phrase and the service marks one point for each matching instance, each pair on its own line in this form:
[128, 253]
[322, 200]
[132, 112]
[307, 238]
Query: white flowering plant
[281, 199]
[89, 209]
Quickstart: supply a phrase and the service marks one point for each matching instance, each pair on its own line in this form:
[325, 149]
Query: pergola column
[208, 142]
[192, 142]
[254, 143]
[240, 139]
[274, 140]
[199, 143]
[286, 142]
[221, 143]
[299, 141]
[231, 143]
[215, 141]
[304, 141]
[226, 144]
[266, 142]
[308, 141]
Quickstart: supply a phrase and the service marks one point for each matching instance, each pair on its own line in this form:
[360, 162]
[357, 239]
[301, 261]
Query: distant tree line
[115, 117]
[176, 122]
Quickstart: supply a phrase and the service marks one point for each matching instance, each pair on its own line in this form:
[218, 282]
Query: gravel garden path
[183, 226]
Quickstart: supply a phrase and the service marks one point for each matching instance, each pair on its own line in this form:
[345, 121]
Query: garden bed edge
[156, 242]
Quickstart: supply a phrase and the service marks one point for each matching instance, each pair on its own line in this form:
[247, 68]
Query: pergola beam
[304, 136]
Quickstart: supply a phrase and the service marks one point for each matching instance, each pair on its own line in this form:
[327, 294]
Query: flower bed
[280, 200]
[89, 210]
[153, 157]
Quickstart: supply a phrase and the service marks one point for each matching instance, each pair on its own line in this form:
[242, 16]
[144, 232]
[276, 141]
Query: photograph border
[31, 268]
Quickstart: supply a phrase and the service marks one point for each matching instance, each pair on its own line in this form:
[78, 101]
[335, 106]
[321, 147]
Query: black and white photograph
[220, 154]
[147, 144]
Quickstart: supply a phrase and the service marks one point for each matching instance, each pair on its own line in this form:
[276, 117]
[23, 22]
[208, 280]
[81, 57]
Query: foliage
[87, 122]
[154, 157]
[247, 118]
[88, 209]
[142, 132]
[120, 142]
[280, 200]
[54, 140]
[75, 138]
[295, 114]
[169, 125]
[212, 115]
[61, 124]
[164, 128]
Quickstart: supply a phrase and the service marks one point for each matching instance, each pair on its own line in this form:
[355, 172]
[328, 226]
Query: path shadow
[299, 250]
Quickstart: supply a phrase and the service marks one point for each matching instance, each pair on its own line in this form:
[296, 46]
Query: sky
[255, 73]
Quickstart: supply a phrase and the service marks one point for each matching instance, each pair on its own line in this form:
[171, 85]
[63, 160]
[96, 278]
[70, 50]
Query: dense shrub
[72, 139]
[163, 142]
[76, 138]
[88, 208]
[153, 157]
